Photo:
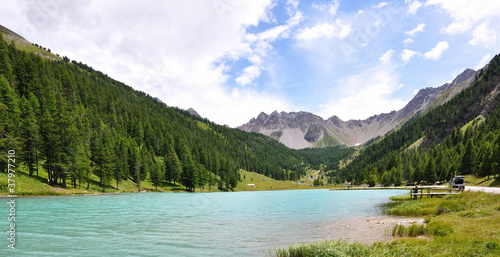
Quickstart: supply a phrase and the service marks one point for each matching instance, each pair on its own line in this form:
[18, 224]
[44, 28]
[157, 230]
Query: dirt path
[494, 190]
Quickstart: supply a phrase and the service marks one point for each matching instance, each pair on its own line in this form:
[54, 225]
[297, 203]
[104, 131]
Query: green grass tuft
[446, 207]
[440, 228]
[474, 214]
[413, 230]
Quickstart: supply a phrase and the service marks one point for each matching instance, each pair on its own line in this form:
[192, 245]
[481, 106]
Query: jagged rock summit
[193, 112]
[303, 129]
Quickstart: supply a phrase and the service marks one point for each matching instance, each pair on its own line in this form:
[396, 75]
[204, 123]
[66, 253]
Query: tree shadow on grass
[495, 183]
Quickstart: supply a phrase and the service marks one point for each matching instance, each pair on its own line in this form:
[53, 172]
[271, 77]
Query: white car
[458, 182]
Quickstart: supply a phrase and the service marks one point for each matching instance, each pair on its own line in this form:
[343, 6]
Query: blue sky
[232, 59]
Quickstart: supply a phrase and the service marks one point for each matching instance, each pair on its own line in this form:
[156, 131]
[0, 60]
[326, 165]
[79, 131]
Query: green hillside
[462, 136]
[24, 45]
[71, 122]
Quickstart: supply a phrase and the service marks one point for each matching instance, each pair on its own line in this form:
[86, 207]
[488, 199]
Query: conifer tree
[487, 162]
[466, 165]
[175, 167]
[189, 174]
[156, 174]
[120, 162]
[430, 172]
[29, 136]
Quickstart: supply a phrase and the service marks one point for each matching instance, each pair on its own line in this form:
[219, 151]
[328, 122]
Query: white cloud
[182, 57]
[331, 7]
[483, 36]
[436, 52]
[327, 30]
[344, 27]
[260, 44]
[249, 74]
[467, 14]
[420, 27]
[380, 5]
[321, 30]
[406, 55]
[386, 57]
[413, 6]
[366, 93]
[408, 40]
[412, 33]
[483, 61]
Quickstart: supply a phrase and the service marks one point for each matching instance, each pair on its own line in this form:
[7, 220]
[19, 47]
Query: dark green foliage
[74, 120]
[329, 156]
[30, 138]
[446, 150]
[317, 182]
[430, 173]
[9, 112]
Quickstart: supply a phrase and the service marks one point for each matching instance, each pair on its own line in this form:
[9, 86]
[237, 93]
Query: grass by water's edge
[457, 225]
[26, 185]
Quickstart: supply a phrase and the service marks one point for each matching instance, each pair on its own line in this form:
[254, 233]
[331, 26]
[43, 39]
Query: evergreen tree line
[437, 145]
[329, 157]
[71, 121]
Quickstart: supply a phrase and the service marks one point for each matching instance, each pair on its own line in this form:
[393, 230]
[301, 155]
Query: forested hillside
[64, 118]
[461, 136]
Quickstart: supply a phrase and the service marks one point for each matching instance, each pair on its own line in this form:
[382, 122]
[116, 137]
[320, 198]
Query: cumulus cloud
[412, 33]
[406, 55]
[436, 52]
[182, 57]
[484, 36]
[420, 27]
[413, 6]
[322, 30]
[325, 30]
[331, 7]
[386, 57]
[408, 40]
[380, 5]
[467, 14]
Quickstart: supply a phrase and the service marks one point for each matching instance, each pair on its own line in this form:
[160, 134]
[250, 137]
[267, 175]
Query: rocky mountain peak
[304, 129]
[193, 112]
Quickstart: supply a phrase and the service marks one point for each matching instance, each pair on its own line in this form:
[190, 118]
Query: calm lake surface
[183, 224]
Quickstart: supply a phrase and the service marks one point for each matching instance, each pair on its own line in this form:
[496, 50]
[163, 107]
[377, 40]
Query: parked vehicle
[458, 182]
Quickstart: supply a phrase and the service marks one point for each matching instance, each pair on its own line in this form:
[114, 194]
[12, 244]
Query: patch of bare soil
[369, 230]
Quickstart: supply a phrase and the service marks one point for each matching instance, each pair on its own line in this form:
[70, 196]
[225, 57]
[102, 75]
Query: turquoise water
[182, 224]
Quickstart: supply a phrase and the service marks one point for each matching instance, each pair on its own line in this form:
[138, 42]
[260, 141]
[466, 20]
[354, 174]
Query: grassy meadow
[30, 186]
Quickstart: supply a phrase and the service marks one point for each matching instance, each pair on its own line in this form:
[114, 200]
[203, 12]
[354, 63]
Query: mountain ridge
[299, 130]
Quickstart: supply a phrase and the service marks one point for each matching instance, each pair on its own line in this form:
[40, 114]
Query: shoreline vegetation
[466, 224]
[250, 181]
[37, 186]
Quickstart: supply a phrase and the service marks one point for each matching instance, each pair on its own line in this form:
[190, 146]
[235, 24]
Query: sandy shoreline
[368, 229]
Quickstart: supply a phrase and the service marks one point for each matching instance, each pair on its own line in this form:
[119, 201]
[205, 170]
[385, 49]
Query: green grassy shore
[467, 224]
[37, 186]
